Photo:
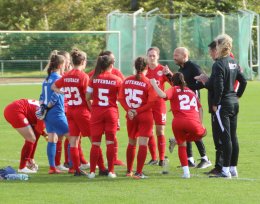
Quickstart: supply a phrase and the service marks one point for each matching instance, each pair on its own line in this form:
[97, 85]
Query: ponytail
[178, 80]
[54, 62]
[140, 65]
[103, 63]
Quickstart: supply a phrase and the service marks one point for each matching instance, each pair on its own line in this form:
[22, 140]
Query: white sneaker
[186, 176]
[111, 175]
[30, 164]
[234, 174]
[91, 175]
[172, 142]
[62, 168]
[26, 171]
[84, 166]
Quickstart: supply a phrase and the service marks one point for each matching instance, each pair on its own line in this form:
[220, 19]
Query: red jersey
[114, 71]
[21, 113]
[184, 104]
[104, 90]
[137, 94]
[75, 83]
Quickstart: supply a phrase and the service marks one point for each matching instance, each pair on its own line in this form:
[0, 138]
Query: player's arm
[160, 92]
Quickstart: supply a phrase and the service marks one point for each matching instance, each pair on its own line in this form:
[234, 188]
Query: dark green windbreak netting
[193, 32]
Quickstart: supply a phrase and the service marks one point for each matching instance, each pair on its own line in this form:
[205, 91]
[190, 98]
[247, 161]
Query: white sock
[186, 170]
[205, 158]
[191, 159]
[226, 169]
[233, 169]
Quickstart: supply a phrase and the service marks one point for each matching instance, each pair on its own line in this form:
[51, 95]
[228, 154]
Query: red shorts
[79, 121]
[187, 130]
[159, 113]
[103, 121]
[141, 125]
[16, 118]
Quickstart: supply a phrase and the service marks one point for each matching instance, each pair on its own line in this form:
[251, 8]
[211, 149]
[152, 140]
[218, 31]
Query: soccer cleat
[162, 163]
[221, 175]
[30, 164]
[103, 172]
[62, 168]
[234, 174]
[80, 173]
[129, 174]
[214, 171]
[172, 144]
[91, 175]
[84, 166]
[152, 162]
[111, 175]
[54, 171]
[191, 164]
[203, 164]
[139, 176]
[67, 165]
[119, 163]
[27, 171]
[186, 176]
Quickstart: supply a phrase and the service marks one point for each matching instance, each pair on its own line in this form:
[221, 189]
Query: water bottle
[166, 165]
[23, 177]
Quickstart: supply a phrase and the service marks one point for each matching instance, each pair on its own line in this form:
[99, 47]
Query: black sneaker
[152, 162]
[221, 175]
[190, 164]
[203, 164]
[214, 171]
[162, 163]
[103, 173]
[80, 173]
[67, 165]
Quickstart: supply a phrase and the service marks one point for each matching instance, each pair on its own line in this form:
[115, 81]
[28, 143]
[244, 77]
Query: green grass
[44, 188]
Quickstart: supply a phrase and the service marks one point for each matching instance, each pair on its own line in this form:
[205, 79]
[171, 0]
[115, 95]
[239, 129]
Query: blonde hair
[224, 45]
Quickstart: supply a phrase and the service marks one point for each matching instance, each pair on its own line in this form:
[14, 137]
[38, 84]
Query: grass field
[65, 188]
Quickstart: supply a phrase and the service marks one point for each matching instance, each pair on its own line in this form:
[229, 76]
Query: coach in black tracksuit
[225, 103]
[190, 70]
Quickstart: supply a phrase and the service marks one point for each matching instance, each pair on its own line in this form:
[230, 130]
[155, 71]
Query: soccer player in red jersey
[118, 73]
[74, 84]
[21, 115]
[161, 74]
[103, 89]
[187, 111]
[137, 97]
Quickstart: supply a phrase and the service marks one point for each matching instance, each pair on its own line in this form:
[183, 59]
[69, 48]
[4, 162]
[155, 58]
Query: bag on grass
[7, 170]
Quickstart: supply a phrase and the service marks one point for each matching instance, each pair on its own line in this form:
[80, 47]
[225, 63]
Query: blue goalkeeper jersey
[55, 119]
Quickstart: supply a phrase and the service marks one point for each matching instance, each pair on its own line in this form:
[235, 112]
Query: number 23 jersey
[74, 84]
[184, 104]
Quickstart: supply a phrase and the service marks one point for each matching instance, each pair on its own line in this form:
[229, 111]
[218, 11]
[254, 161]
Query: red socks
[130, 156]
[161, 146]
[141, 157]
[183, 155]
[81, 155]
[94, 157]
[35, 146]
[58, 152]
[26, 153]
[110, 157]
[115, 149]
[74, 154]
[152, 147]
[66, 155]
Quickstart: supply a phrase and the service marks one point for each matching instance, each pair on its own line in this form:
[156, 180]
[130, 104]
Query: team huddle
[73, 104]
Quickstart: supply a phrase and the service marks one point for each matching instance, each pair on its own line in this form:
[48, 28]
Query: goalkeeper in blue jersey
[52, 109]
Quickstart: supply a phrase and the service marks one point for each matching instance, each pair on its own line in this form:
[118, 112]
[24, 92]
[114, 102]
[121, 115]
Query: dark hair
[54, 62]
[154, 48]
[103, 63]
[212, 45]
[140, 64]
[178, 80]
[105, 52]
[78, 56]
